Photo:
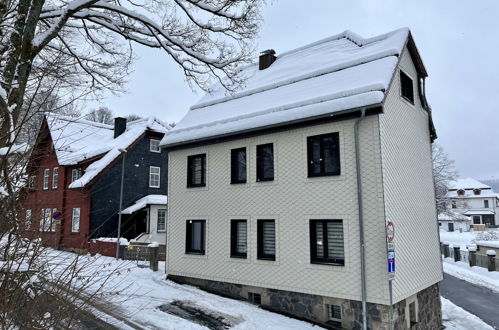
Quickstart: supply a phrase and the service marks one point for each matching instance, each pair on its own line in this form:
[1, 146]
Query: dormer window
[406, 87]
[460, 192]
[476, 191]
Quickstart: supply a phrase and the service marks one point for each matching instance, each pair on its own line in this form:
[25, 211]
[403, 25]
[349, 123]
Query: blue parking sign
[391, 262]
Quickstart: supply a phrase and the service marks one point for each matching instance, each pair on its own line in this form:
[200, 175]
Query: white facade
[396, 174]
[472, 198]
[157, 216]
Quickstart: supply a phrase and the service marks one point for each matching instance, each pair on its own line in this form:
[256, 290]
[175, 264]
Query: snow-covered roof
[144, 201]
[327, 77]
[467, 183]
[453, 216]
[76, 140]
[478, 212]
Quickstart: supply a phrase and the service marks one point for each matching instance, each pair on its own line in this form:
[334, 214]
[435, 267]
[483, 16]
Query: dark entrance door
[134, 225]
[451, 226]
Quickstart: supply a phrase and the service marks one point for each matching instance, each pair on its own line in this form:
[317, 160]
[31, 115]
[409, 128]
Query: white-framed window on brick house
[334, 313]
[28, 219]
[46, 175]
[75, 220]
[238, 238]
[161, 225]
[75, 174]
[323, 155]
[55, 177]
[31, 182]
[154, 176]
[195, 237]
[45, 220]
[406, 87]
[53, 222]
[196, 171]
[154, 146]
[327, 242]
[266, 239]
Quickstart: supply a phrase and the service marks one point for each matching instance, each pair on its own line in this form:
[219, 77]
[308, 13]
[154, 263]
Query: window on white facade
[238, 238]
[154, 176]
[266, 239]
[327, 242]
[46, 174]
[406, 87]
[55, 177]
[75, 174]
[75, 220]
[477, 220]
[27, 220]
[454, 204]
[334, 313]
[486, 204]
[154, 146]
[161, 220]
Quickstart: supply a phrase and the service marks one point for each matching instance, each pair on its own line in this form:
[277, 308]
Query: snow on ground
[139, 292]
[456, 237]
[475, 275]
[456, 318]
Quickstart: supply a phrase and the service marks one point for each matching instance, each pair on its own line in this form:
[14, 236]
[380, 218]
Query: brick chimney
[119, 126]
[267, 57]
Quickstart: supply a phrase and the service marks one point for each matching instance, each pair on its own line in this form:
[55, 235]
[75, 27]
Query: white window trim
[157, 221]
[28, 219]
[78, 174]
[52, 221]
[159, 177]
[46, 177]
[150, 146]
[72, 220]
[55, 177]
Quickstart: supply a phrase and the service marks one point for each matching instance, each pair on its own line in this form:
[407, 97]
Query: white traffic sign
[390, 231]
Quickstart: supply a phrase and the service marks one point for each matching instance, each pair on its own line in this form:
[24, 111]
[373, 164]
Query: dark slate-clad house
[75, 180]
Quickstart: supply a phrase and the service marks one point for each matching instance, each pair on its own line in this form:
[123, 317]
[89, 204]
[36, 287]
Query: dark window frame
[313, 247]
[486, 203]
[188, 235]
[234, 168]
[190, 162]
[406, 87]
[260, 170]
[233, 239]
[311, 161]
[261, 255]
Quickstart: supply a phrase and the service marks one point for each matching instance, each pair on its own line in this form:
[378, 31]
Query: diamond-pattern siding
[291, 199]
[408, 188]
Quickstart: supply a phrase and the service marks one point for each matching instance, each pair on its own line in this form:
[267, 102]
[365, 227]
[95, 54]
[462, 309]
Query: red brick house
[75, 175]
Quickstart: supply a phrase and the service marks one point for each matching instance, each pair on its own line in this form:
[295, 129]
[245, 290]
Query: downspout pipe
[361, 219]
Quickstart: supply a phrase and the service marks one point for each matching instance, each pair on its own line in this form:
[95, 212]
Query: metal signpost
[390, 253]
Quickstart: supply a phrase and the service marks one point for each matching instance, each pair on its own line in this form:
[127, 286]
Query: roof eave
[268, 127]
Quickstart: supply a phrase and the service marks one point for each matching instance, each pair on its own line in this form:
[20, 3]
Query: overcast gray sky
[458, 41]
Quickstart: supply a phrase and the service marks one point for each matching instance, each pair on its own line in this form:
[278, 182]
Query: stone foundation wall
[312, 308]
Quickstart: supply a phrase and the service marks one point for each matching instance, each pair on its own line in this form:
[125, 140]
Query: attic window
[407, 88]
[476, 191]
[460, 192]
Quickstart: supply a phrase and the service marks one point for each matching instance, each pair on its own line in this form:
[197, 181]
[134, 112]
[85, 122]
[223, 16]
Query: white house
[279, 193]
[454, 221]
[474, 199]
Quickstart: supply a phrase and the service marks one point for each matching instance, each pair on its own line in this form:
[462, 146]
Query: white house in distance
[280, 192]
[469, 197]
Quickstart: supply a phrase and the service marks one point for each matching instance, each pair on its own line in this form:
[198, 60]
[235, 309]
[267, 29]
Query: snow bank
[123, 241]
[475, 275]
[456, 318]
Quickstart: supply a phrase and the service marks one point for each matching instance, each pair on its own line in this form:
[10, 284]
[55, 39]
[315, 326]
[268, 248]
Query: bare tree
[102, 115]
[443, 173]
[133, 117]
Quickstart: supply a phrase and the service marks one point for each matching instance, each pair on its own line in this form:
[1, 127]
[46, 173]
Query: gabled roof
[325, 78]
[467, 183]
[144, 201]
[76, 140]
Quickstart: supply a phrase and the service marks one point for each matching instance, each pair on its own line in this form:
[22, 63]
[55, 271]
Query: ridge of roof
[347, 34]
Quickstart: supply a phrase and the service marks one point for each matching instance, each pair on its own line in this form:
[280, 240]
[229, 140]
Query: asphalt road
[477, 300]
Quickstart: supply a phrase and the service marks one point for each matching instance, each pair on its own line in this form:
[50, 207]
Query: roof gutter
[361, 219]
[214, 139]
